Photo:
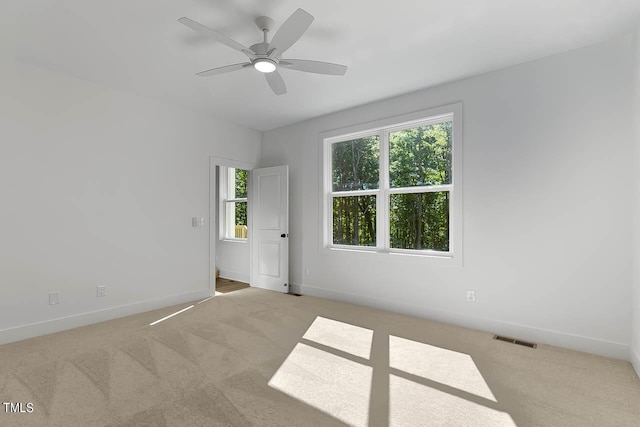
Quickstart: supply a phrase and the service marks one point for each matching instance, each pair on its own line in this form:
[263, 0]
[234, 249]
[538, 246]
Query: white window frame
[382, 128]
[224, 183]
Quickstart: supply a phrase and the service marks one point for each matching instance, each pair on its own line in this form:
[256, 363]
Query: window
[391, 188]
[233, 195]
[355, 186]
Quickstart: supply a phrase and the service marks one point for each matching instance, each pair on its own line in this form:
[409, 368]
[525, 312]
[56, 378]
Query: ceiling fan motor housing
[264, 23]
[260, 49]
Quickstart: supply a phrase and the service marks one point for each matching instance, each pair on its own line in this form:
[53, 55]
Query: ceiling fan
[266, 56]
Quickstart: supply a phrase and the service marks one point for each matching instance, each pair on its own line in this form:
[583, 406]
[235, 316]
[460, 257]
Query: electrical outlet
[54, 298]
[471, 296]
[101, 291]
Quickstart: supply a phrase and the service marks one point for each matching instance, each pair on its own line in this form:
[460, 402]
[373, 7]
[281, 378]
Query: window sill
[232, 240]
[360, 249]
[446, 257]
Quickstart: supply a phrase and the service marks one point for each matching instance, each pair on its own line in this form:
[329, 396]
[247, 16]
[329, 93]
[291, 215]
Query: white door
[269, 198]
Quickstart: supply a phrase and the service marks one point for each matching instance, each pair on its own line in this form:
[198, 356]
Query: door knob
[283, 235]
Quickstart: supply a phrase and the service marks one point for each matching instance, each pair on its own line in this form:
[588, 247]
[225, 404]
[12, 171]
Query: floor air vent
[515, 341]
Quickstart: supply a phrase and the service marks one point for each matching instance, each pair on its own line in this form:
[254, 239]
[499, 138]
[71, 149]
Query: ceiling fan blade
[318, 67]
[276, 83]
[216, 35]
[223, 70]
[291, 30]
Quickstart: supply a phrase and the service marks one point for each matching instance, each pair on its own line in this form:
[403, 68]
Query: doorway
[241, 249]
[230, 249]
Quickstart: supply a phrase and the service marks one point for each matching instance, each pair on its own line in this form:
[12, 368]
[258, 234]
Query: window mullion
[352, 193]
[222, 207]
[383, 197]
[327, 238]
[421, 189]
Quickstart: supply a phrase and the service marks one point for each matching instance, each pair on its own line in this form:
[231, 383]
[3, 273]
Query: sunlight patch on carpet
[447, 367]
[333, 371]
[170, 316]
[331, 383]
[342, 336]
[412, 404]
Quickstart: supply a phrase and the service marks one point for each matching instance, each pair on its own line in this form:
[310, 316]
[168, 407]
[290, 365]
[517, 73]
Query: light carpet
[260, 358]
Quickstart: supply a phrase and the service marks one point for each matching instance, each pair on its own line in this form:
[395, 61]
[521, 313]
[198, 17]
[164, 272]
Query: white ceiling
[391, 47]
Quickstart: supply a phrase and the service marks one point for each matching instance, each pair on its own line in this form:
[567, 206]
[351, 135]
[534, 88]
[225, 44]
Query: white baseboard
[635, 361]
[294, 288]
[542, 336]
[61, 324]
[232, 275]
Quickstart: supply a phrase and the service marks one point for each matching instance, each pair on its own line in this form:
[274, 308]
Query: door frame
[213, 214]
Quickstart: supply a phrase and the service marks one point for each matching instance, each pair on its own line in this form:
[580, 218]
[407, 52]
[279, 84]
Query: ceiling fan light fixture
[264, 65]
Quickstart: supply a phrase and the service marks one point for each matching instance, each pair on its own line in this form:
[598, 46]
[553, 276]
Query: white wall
[98, 187]
[233, 260]
[635, 328]
[547, 213]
